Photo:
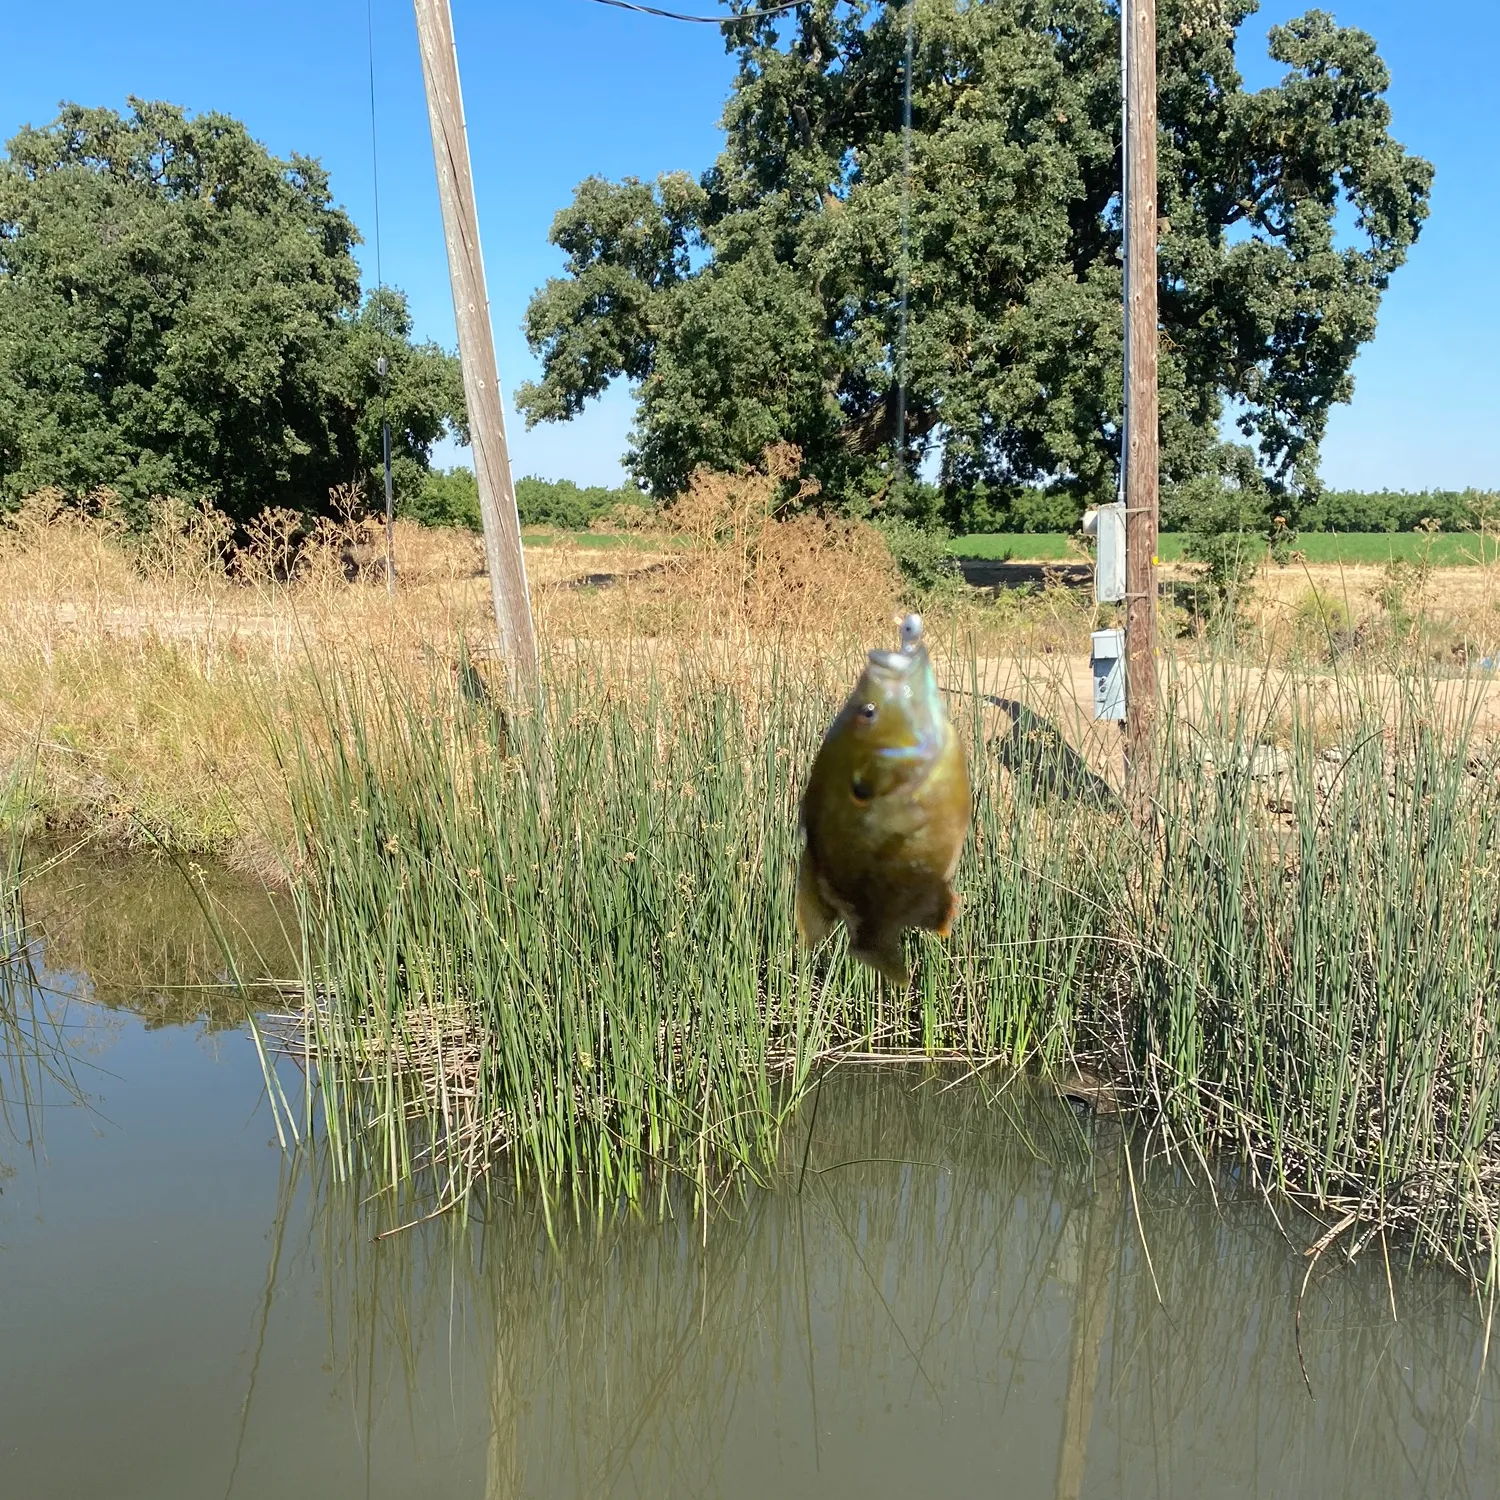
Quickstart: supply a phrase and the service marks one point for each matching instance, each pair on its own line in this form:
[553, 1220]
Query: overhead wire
[382, 364]
[673, 15]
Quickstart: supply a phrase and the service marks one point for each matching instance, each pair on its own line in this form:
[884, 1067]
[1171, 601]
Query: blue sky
[557, 89]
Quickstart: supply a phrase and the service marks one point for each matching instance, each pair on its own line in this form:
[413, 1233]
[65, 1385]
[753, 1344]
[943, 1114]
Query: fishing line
[905, 268]
[672, 15]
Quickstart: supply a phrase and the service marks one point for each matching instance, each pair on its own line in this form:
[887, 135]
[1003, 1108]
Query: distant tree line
[1399, 510]
[450, 497]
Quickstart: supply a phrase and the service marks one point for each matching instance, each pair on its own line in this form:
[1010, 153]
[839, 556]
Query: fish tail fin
[878, 946]
[815, 918]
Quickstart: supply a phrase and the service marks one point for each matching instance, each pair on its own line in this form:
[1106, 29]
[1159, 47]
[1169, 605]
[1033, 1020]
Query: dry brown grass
[142, 679]
[737, 562]
[146, 684]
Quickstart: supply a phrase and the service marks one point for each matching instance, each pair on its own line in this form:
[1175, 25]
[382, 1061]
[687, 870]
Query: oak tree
[180, 313]
[760, 302]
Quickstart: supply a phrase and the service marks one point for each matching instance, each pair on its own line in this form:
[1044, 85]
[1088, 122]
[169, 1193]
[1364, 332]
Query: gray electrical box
[1107, 657]
[1107, 526]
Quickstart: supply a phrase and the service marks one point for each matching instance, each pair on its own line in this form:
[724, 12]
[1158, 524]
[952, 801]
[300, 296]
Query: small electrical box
[1107, 526]
[1107, 658]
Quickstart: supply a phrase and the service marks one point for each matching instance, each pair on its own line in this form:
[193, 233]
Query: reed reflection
[962, 1297]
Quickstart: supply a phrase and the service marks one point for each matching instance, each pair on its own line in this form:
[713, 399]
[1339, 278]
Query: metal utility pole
[476, 345]
[1142, 439]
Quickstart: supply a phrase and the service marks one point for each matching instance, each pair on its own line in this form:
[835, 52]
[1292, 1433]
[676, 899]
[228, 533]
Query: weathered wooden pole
[476, 343]
[1142, 441]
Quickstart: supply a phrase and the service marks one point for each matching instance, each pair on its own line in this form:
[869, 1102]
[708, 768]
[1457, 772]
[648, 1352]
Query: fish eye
[867, 712]
[861, 789]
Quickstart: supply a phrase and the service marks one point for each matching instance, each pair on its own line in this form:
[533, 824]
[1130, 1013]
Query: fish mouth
[892, 661]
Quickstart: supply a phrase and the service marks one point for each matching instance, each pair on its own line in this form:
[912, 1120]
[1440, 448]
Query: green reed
[561, 942]
[33, 1050]
[17, 1051]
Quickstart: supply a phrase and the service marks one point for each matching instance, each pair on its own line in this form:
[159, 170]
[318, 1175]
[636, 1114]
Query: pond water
[958, 1301]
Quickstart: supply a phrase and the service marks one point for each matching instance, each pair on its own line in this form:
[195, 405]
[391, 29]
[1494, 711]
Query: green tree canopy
[180, 313]
[761, 302]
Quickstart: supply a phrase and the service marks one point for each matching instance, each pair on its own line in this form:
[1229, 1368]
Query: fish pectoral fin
[815, 918]
[946, 925]
[878, 945]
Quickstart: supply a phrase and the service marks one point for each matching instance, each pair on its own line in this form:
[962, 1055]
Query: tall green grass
[18, 1081]
[560, 944]
[33, 1052]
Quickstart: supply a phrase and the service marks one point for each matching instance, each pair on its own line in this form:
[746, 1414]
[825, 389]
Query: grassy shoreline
[562, 950]
[561, 947]
[145, 687]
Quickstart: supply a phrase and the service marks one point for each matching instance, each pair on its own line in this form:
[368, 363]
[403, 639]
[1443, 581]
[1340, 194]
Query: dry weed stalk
[743, 555]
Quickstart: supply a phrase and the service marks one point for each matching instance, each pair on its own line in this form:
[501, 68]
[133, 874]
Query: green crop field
[601, 540]
[1444, 550]
[1455, 550]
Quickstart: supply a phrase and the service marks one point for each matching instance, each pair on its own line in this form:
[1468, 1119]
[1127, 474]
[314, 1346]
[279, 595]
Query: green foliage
[1323, 626]
[930, 572]
[180, 314]
[1228, 560]
[761, 303]
[1023, 508]
[447, 497]
[450, 497]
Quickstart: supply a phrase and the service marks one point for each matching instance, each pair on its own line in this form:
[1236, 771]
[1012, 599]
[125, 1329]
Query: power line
[383, 364]
[374, 150]
[672, 15]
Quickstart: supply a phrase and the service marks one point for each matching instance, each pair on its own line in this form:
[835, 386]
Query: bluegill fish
[885, 813]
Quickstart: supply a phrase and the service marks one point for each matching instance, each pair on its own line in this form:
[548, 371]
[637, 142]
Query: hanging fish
[885, 813]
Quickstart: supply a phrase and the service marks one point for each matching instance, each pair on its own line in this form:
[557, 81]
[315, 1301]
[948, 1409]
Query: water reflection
[955, 1298]
[958, 1302]
[167, 941]
[33, 1053]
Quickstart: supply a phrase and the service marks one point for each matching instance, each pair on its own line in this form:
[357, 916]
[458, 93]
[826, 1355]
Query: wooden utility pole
[476, 343]
[1142, 439]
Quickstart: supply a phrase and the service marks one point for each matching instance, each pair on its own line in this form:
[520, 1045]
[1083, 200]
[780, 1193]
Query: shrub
[448, 497]
[1322, 626]
[929, 572]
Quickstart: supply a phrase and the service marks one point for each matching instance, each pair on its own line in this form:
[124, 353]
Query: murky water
[959, 1300]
